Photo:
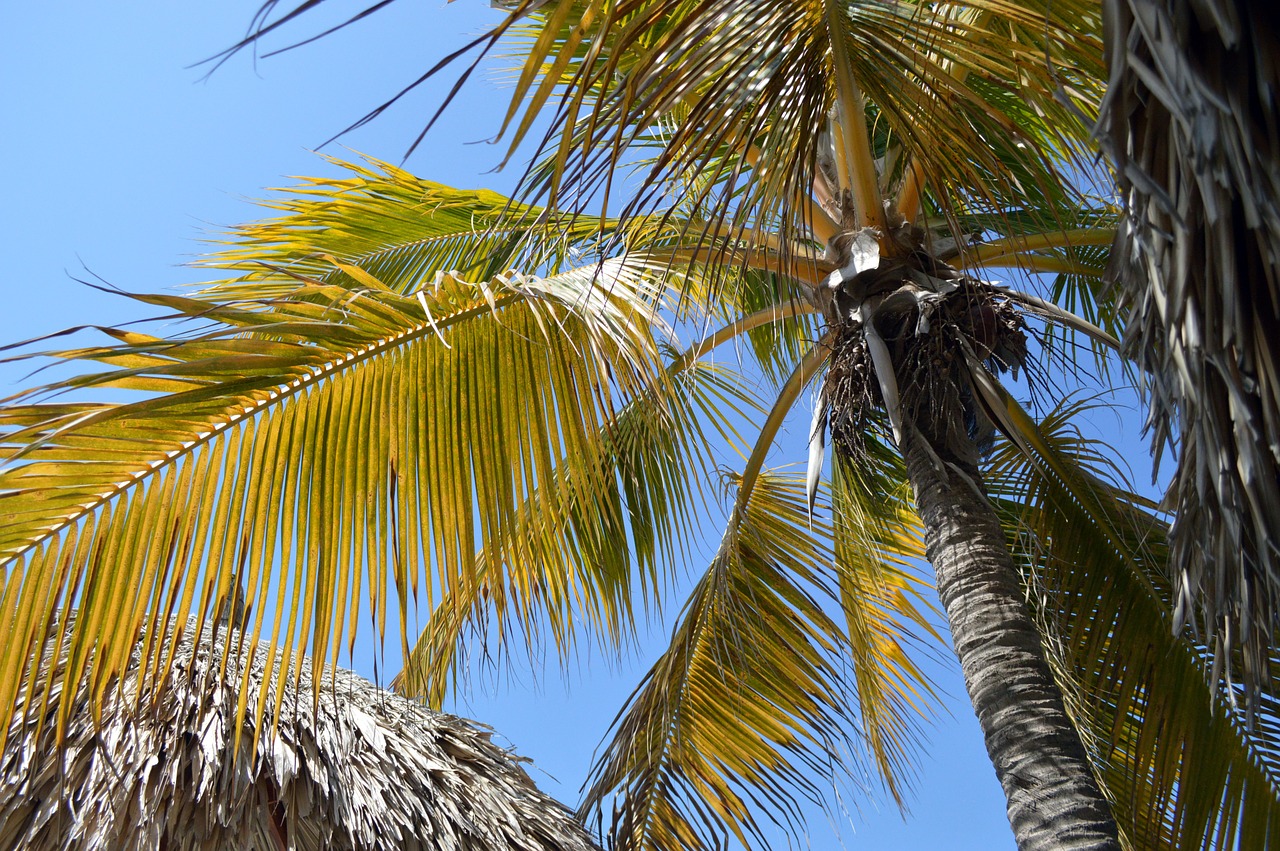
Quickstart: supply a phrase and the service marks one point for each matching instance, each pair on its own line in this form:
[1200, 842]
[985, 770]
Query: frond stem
[908, 200]
[1010, 246]
[758, 238]
[247, 411]
[1053, 313]
[747, 323]
[1042, 263]
[854, 145]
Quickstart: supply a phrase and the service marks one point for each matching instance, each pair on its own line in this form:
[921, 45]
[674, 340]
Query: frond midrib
[309, 378]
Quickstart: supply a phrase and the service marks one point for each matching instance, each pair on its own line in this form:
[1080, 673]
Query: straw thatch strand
[1190, 121]
[355, 768]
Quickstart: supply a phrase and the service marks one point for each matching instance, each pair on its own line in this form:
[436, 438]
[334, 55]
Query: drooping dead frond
[1190, 122]
[176, 767]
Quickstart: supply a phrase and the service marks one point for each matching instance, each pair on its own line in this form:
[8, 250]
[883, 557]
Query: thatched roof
[1190, 123]
[361, 769]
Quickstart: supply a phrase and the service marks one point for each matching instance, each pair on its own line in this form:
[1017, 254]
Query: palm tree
[375, 394]
[1189, 122]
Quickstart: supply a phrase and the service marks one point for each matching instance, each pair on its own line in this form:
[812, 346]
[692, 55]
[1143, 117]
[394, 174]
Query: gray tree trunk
[1053, 799]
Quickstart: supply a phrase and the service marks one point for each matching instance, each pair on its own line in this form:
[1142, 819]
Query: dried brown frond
[1190, 124]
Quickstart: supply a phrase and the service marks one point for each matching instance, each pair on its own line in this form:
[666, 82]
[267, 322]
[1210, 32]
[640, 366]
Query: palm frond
[305, 451]
[735, 83]
[649, 462]
[1172, 755]
[751, 703]
[401, 230]
[878, 548]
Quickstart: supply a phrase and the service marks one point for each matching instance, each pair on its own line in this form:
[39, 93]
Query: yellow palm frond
[304, 453]
[751, 702]
[878, 548]
[400, 230]
[652, 454]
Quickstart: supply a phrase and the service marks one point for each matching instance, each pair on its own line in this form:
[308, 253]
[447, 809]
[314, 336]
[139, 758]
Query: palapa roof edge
[358, 768]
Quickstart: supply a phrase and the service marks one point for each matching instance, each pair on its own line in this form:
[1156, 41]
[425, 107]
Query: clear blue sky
[119, 157]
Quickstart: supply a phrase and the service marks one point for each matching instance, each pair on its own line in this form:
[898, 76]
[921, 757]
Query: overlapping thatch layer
[362, 769]
[1190, 121]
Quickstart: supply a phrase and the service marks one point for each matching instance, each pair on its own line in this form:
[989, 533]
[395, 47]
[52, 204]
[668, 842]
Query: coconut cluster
[936, 324]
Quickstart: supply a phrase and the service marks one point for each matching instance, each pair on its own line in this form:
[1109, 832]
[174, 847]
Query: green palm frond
[732, 77]
[306, 449]
[739, 267]
[751, 702]
[650, 459]
[1171, 754]
[401, 230]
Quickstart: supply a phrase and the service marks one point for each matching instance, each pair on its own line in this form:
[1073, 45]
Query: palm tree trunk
[1053, 799]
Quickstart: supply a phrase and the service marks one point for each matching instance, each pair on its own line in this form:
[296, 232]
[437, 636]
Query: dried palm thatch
[357, 768]
[1190, 120]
